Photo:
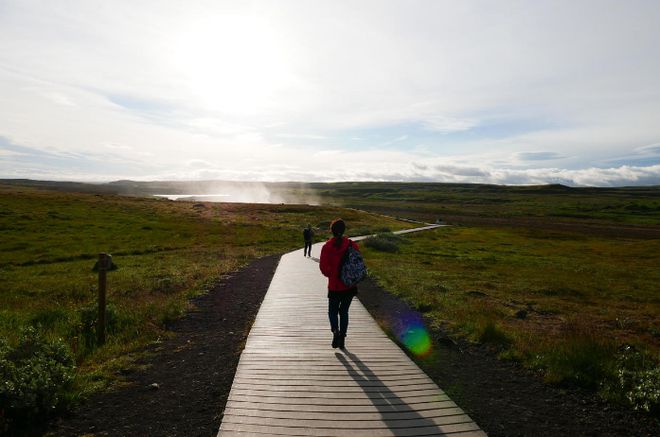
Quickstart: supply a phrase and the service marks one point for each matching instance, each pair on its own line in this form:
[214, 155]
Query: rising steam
[243, 192]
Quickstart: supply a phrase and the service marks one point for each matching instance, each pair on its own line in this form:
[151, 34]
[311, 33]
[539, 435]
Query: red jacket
[330, 259]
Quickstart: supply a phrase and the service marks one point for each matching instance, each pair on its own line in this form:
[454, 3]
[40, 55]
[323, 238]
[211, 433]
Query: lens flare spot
[413, 335]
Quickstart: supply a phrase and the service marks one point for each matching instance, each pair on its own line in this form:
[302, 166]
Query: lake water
[204, 197]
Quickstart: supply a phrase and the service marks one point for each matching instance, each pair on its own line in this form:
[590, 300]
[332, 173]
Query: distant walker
[308, 236]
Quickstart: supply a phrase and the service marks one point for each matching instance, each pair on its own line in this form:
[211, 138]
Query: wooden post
[100, 329]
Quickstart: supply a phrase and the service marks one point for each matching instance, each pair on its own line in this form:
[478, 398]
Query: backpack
[351, 268]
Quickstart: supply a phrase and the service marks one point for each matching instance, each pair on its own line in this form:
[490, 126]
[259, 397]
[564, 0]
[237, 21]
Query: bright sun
[231, 63]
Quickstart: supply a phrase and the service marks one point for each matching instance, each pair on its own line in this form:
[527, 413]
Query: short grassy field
[580, 309]
[474, 202]
[166, 252]
[562, 279]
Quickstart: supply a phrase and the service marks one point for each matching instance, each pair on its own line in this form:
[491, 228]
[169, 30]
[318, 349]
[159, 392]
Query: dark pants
[308, 248]
[338, 304]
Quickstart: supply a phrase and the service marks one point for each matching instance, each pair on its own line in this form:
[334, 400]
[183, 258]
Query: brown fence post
[103, 268]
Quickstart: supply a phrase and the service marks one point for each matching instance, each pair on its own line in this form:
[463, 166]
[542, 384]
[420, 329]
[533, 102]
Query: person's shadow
[395, 412]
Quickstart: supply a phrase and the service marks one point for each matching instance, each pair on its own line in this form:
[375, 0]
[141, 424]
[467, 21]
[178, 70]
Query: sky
[504, 92]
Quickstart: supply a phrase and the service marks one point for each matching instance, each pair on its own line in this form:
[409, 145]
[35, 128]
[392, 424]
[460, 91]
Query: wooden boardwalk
[291, 382]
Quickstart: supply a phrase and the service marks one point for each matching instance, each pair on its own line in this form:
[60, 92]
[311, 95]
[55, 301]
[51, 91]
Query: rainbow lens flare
[413, 334]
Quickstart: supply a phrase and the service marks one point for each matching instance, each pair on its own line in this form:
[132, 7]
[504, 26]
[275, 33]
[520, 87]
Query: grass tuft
[492, 334]
[581, 360]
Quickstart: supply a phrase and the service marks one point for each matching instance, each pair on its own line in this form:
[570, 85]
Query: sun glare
[231, 63]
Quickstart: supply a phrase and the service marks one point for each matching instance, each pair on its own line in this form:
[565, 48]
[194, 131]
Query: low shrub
[384, 242]
[35, 377]
[636, 381]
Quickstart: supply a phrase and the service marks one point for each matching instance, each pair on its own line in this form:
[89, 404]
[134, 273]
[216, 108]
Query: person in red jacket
[339, 295]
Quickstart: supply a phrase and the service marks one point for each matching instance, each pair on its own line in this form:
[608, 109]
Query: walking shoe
[340, 343]
[335, 340]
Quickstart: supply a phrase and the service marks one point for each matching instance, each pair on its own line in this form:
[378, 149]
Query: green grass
[166, 252]
[433, 201]
[581, 307]
[564, 304]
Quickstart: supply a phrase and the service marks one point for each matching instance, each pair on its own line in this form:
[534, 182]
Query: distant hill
[149, 188]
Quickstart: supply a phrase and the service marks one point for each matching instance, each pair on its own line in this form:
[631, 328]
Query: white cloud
[240, 85]
[301, 136]
[538, 156]
[9, 153]
[114, 146]
[199, 164]
[448, 124]
[650, 150]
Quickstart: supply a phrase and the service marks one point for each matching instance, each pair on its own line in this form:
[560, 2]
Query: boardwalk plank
[337, 400]
[344, 409]
[339, 424]
[339, 393]
[445, 430]
[351, 416]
